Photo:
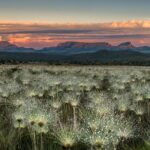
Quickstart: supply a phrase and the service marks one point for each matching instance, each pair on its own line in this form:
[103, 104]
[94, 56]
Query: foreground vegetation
[74, 108]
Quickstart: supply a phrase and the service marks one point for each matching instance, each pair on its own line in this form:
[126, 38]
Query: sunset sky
[42, 23]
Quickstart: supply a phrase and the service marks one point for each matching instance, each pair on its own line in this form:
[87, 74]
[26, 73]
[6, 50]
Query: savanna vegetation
[74, 108]
[102, 57]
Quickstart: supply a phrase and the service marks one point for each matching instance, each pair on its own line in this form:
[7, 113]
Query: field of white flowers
[74, 108]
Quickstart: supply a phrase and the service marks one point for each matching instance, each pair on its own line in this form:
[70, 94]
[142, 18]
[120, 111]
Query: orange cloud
[19, 39]
[29, 40]
[131, 24]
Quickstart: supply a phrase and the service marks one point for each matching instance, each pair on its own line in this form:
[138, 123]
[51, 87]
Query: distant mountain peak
[6, 45]
[83, 44]
[126, 45]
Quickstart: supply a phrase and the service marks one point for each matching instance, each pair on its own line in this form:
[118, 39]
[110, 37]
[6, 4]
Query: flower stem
[41, 136]
[74, 118]
[34, 141]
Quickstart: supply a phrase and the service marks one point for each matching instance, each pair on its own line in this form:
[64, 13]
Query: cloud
[131, 24]
[39, 35]
[16, 26]
[59, 31]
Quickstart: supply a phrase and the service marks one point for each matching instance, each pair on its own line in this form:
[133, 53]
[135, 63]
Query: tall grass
[78, 108]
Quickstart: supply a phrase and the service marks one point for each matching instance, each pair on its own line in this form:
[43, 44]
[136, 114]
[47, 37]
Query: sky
[43, 23]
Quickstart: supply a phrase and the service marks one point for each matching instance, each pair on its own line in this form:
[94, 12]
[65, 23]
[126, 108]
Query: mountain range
[77, 53]
[70, 48]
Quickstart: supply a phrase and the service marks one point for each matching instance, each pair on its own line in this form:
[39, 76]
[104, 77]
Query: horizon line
[134, 45]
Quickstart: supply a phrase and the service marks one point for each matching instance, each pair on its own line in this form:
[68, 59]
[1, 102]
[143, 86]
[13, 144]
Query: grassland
[74, 107]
